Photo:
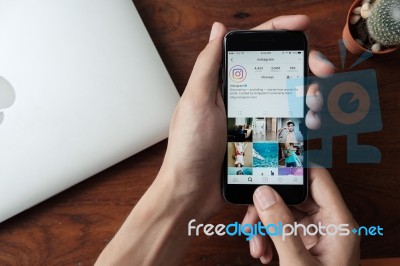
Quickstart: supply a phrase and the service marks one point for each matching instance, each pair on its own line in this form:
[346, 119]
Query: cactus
[384, 22]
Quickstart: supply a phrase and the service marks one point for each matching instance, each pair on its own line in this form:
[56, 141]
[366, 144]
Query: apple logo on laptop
[7, 96]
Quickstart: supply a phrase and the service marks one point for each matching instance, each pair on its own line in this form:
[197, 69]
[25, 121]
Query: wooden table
[73, 227]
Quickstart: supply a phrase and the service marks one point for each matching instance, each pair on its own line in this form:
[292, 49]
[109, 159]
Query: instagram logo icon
[237, 73]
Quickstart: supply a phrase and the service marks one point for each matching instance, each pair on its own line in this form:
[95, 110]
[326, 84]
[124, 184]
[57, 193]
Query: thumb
[203, 82]
[272, 210]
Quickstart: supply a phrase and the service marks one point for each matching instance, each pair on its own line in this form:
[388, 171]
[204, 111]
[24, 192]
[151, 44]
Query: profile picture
[237, 73]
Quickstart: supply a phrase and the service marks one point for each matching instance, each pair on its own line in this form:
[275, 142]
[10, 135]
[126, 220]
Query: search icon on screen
[250, 179]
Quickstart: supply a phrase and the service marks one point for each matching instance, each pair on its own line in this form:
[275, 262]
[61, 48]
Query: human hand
[198, 131]
[324, 205]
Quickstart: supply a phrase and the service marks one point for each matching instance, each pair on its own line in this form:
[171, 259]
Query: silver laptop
[82, 87]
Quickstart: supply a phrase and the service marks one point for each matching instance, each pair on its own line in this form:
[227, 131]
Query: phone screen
[265, 117]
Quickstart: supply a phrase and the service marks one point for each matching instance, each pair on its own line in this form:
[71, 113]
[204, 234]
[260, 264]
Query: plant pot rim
[353, 41]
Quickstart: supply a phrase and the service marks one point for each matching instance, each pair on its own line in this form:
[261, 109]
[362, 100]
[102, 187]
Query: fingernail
[264, 260]
[323, 57]
[264, 197]
[214, 31]
[313, 88]
[318, 94]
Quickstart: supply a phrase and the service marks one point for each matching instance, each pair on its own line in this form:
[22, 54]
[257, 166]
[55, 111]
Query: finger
[333, 210]
[203, 82]
[251, 216]
[257, 246]
[327, 196]
[291, 22]
[260, 246]
[272, 210]
[314, 99]
[309, 240]
[313, 120]
[268, 254]
[303, 214]
[320, 65]
[265, 260]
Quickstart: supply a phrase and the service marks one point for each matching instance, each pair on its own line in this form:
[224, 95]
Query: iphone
[263, 79]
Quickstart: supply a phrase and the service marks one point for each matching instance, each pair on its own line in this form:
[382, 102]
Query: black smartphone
[263, 79]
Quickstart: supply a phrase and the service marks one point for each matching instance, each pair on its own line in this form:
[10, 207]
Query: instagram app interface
[265, 117]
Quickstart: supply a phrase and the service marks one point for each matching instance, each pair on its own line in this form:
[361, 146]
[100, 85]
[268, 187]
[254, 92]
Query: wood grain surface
[73, 227]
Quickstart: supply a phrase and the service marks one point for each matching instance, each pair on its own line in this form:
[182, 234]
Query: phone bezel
[251, 40]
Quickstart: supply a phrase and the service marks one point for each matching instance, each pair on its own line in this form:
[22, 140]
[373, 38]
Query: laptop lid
[82, 88]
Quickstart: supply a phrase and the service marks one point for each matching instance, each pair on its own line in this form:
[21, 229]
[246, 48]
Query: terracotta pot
[349, 40]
